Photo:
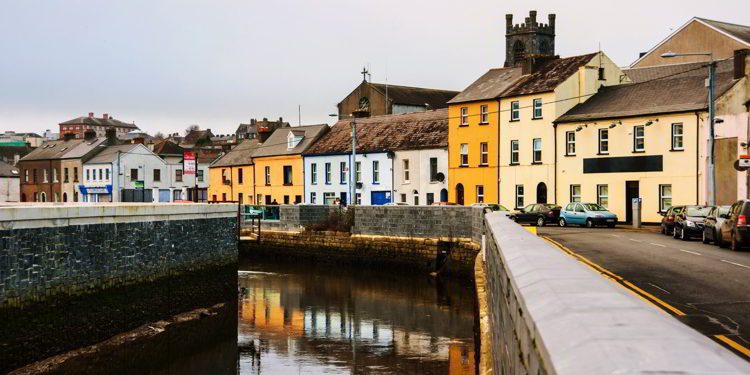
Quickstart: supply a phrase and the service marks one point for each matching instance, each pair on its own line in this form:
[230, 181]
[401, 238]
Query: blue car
[586, 214]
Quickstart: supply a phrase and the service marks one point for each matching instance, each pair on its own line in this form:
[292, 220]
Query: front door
[541, 193]
[460, 194]
[632, 190]
[343, 198]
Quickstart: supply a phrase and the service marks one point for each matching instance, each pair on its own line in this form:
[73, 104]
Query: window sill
[463, 166]
[569, 155]
[536, 163]
[514, 164]
[288, 185]
[603, 153]
[483, 165]
[537, 118]
[677, 150]
[376, 183]
[463, 125]
[516, 120]
[639, 152]
[484, 123]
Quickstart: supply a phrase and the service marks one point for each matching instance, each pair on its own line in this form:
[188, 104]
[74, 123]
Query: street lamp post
[710, 172]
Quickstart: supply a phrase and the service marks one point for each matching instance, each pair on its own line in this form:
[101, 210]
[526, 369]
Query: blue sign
[106, 189]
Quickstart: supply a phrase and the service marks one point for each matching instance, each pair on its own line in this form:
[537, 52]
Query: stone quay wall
[549, 314]
[50, 250]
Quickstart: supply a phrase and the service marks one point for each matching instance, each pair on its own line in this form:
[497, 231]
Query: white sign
[188, 163]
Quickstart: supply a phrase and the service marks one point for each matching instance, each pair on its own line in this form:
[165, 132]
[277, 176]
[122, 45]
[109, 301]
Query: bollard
[636, 213]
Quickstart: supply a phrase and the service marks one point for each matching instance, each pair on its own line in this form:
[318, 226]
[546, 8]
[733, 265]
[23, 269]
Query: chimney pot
[91, 114]
[740, 62]
[105, 116]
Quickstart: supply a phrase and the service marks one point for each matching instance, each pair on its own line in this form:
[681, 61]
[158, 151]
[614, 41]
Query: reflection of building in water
[350, 328]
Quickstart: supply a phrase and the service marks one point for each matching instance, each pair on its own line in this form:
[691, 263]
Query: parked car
[713, 222]
[689, 222]
[490, 206]
[735, 230]
[587, 214]
[396, 204]
[667, 222]
[444, 204]
[538, 213]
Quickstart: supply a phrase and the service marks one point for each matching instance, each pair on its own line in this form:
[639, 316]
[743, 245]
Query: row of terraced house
[540, 129]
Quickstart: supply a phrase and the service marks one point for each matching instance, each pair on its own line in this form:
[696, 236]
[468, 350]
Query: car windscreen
[698, 211]
[552, 206]
[593, 207]
[724, 210]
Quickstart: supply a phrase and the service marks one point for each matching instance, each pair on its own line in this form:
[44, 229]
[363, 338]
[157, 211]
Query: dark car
[538, 213]
[713, 222]
[667, 222]
[735, 229]
[689, 223]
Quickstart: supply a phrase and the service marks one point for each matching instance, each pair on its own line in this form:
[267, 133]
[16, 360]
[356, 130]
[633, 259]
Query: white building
[412, 140]
[173, 155]
[10, 183]
[421, 176]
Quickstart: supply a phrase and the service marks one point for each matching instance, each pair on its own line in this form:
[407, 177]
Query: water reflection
[327, 320]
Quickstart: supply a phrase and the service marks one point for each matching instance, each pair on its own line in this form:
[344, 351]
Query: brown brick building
[80, 125]
[377, 99]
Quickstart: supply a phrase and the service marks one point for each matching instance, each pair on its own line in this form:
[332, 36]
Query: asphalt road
[709, 284]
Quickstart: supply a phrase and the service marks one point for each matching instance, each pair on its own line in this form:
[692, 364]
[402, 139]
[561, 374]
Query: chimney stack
[105, 116]
[68, 136]
[111, 136]
[91, 114]
[740, 62]
[16, 158]
[89, 135]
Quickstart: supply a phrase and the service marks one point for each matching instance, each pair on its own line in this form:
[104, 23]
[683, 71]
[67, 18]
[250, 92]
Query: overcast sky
[216, 63]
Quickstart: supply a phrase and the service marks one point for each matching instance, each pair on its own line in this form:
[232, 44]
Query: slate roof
[674, 93]
[194, 135]
[8, 153]
[84, 148]
[549, 75]
[276, 144]
[741, 32]
[242, 154]
[409, 131]
[489, 86]
[7, 170]
[683, 70]
[53, 149]
[96, 121]
[416, 95]
[109, 154]
[167, 147]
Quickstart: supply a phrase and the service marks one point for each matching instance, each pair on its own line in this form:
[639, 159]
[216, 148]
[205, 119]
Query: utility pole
[352, 166]
[710, 167]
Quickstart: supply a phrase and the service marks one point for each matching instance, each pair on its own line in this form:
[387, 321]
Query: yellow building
[472, 138]
[643, 139]
[232, 176]
[278, 165]
[548, 88]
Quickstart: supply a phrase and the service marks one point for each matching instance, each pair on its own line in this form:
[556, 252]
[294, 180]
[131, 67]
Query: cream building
[547, 89]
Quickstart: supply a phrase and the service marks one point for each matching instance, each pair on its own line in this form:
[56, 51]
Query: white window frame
[376, 171]
[313, 197]
[519, 196]
[358, 172]
[676, 136]
[327, 173]
[484, 114]
[267, 170]
[405, 164]
[464, 155]
[570, 143]
[515, 111]
[602, 195]
[314, 174]
[515, 152]
[603, 141]
[342, 172]
[575, 193]
[641, 137]
[484, 155]
[464, 116]
[537, 108]
[536, 148]
[665, 201]
[480, 193]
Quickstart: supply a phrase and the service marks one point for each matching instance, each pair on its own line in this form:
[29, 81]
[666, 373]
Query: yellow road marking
[642, 294]
[734, 345]
[532, 230]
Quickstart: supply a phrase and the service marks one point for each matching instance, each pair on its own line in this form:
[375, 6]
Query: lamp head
[669, 54]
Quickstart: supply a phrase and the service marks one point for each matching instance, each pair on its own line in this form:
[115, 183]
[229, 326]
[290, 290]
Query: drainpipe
[497, 181]
[747, 140]
[255, 197]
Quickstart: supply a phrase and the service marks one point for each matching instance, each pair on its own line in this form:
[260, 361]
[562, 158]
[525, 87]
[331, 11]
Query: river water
[295, 318]
[333, 320]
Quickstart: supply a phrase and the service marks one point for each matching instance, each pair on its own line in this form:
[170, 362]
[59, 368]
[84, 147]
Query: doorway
[632, 190]
[460, 194]
[541, 193]
[444, 195]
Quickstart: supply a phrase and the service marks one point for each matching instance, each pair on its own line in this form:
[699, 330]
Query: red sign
[188, 160]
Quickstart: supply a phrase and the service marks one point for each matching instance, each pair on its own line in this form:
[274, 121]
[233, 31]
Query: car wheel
[719, 241]
[683, 236]
[705, 239]
[734, 245]
[540, 221]
[675, 235]
[664, 229]
[562, 222]
[611, 225]
[589, 223]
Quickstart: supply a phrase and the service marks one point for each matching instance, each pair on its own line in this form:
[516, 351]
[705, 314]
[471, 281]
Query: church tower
[529, 39]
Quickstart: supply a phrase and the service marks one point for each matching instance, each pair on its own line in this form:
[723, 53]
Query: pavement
[704, 286]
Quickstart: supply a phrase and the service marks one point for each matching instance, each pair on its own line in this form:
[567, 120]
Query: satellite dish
[359, 185]
[740, 168]
[440, 177]
[391, 154]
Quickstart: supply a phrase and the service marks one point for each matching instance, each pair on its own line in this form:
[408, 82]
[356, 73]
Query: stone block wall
[418, 221]
[46, 250]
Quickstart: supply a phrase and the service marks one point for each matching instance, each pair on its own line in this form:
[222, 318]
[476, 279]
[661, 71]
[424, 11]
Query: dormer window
[292, 140]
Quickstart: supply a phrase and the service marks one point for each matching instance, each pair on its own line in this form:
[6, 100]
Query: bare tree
[159, 136]
[191, 128]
